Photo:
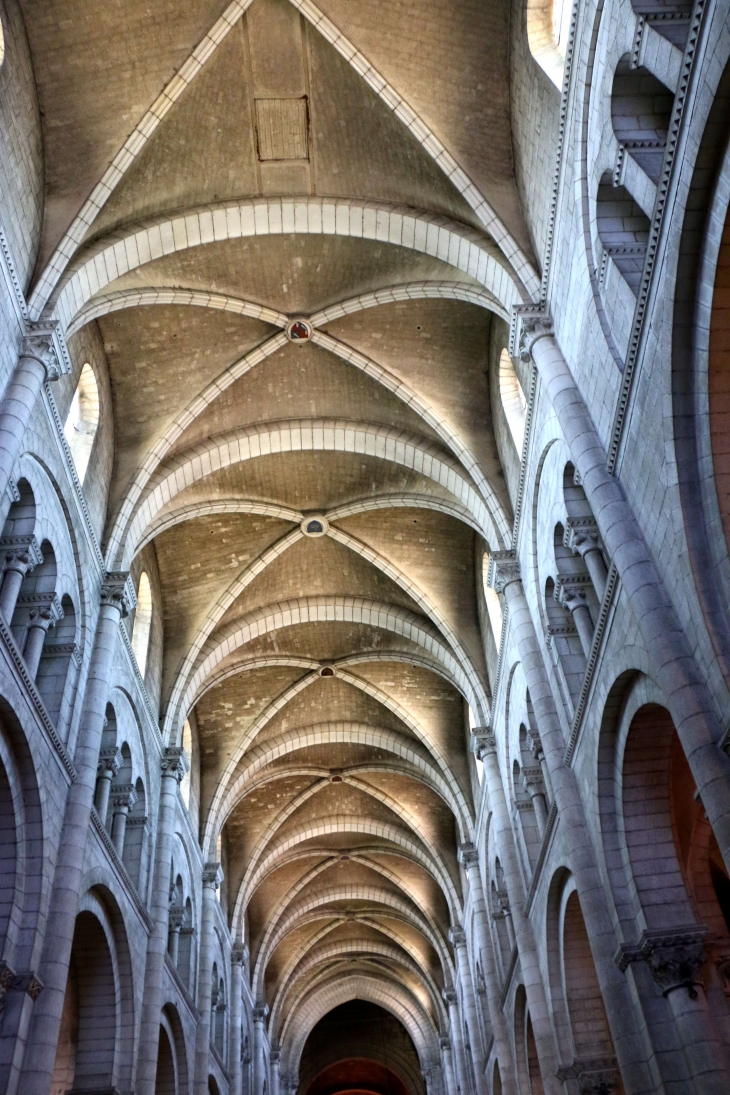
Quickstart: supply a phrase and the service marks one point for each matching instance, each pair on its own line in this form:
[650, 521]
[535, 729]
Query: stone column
[37, 362]
[212, 878]
[447, 1064]
[22, 555]
[571, 594]
[519, 924]
[531, 780]
[457, 936]
[675, 959]
[110, 761]
[175, 922]
[581, 536]
[258, 1049]
[123, 798]
[668, 646]
[626, 1024]
[117, 598]
[469, 860]
[275, 1059]
[457, 1040]
[239, 956]
[41, 618]
[173, 766]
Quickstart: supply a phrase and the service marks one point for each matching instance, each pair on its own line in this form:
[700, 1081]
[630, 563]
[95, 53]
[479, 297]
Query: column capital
[529, 323]
[457, 935]
[212, 875]
[450, 997]
[581, 535]
[468, 855]
[117, 590]
[504, 569]
[260, 1012]
[40, 344]
[444, 1041]
[571, 589]
[483, 742]
[123, 796]
[275, 1056]
[110, 760]
[174, 762]
[176, 915]
[534, 744]
[675, 958]
[239, 955]
[598, 1074]
[531, 779]
[22, 553]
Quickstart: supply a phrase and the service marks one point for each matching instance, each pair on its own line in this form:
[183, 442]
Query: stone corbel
[41, 343]
[674, 958]
[597, 1076]
[118, 590]
[504, 568]
[528, 324]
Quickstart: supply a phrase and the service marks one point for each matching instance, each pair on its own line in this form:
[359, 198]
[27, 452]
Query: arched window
[82, 420]
[513, 400]
[142, 622]
[548, 30]
[187, 744]
[494, 606]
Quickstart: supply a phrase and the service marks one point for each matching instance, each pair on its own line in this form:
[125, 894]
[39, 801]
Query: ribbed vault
[311, 503]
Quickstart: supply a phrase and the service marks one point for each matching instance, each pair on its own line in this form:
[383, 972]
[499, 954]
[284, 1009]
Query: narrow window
[513, 400]
[142, 622]
[494, 606]
[187, 744]
[82, 421]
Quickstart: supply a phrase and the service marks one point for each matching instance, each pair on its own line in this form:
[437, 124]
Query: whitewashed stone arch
[243, 580]
[389, 996]
[272, 749]
[306, 959]
[382, 898]
[261, 865]
[292, 436]
[400, 621]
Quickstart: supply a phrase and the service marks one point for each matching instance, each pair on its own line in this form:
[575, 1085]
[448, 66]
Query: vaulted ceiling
[317, 505]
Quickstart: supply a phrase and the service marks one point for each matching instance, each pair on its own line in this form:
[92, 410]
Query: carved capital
[449, 997]
[571, 589]
[239, 955]
[534, 744]
[528, 325]
[22, 553]
[34, 987]
[39, 344]
[675, 958]
[110, 761]
[123, 796]
[445, 1042]
[176, 915]
[212, 875]
[275, 1056]
[483, 742]
[501, 904]
[174, 762]
[531, 780]
[260, 1012]
[468, 855]
[581, 535]
[457, 935]
[504, 569]
[597, 1076]
[118, 591]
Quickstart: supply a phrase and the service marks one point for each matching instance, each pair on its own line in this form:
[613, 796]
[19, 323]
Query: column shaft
[666, 642]
[626, 1026]
[172, 766]
[41, 1052]
[470, 1013]
[235, 1039]
[527, 949]
[211, 880]
[37, 361]
[489, 966]
[457, 1044]
[258, 1049]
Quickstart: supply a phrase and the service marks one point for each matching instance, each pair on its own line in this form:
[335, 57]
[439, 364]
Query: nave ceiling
[325, 677]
